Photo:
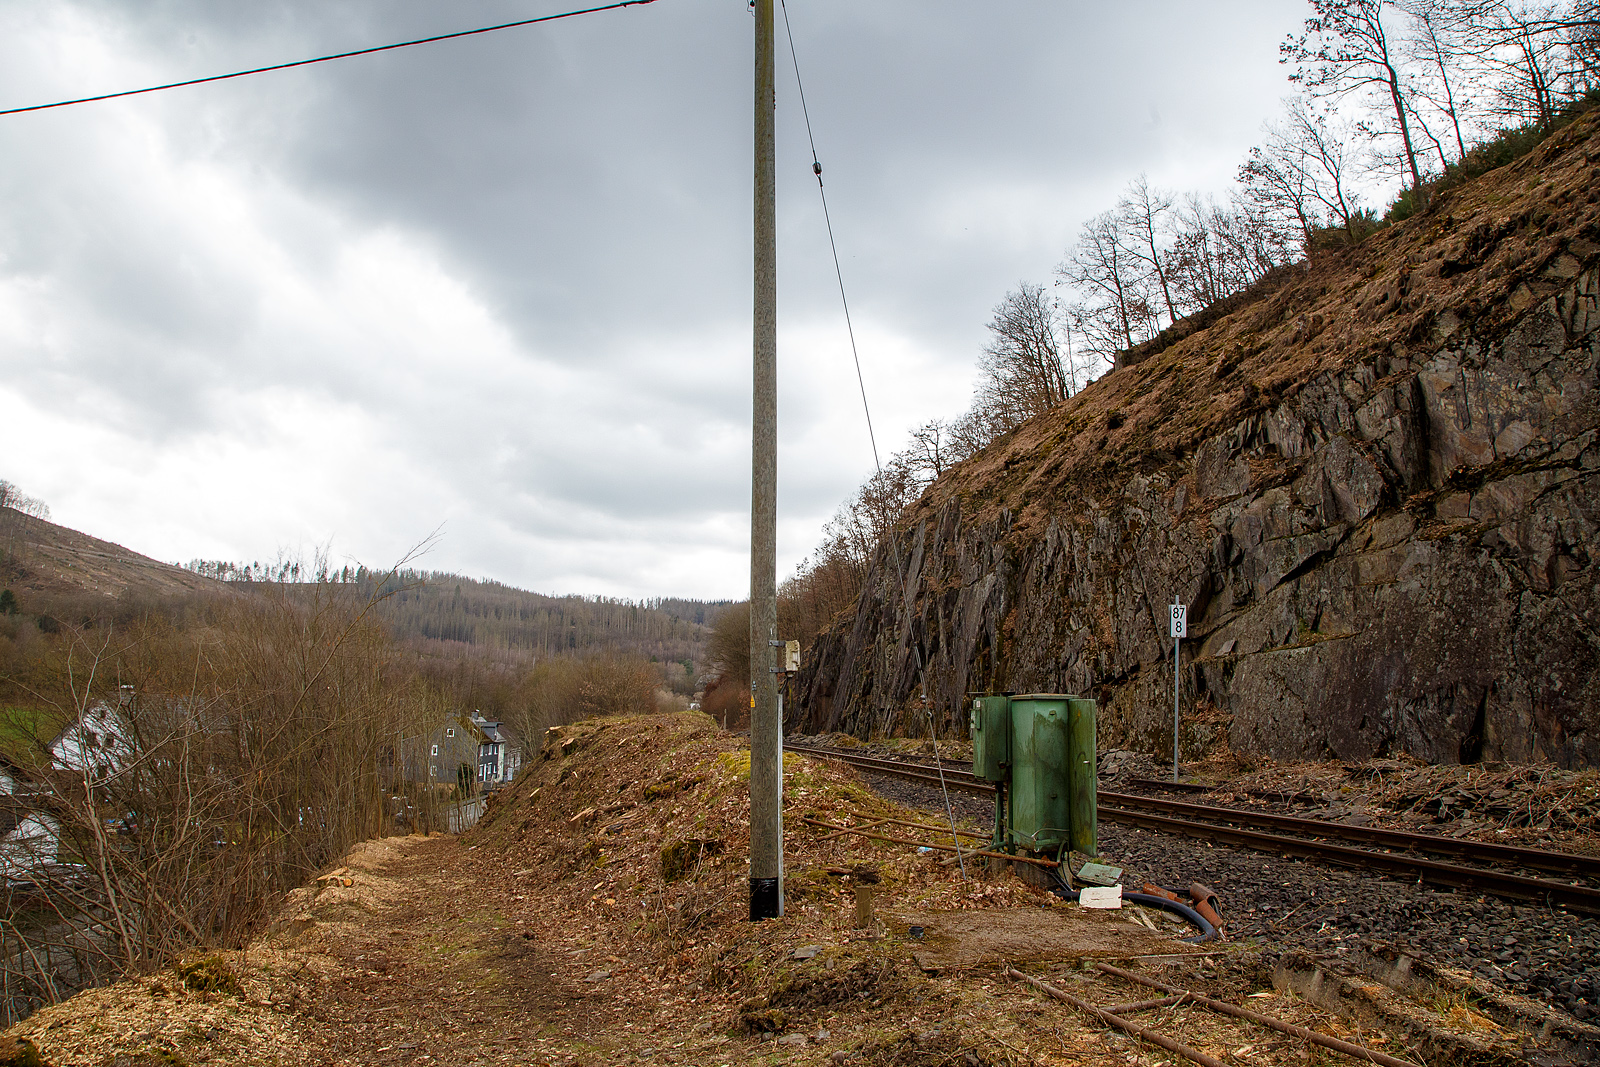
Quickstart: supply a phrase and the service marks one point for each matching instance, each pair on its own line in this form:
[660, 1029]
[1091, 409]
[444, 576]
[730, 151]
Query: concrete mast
[766, 732]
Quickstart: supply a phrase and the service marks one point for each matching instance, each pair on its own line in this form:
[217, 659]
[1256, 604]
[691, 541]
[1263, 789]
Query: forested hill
[435, 606]
[452, 608]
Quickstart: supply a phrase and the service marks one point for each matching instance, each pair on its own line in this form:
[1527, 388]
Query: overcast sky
[500, 285]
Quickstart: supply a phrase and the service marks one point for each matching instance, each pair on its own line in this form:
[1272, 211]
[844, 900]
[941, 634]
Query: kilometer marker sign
[1180, 630]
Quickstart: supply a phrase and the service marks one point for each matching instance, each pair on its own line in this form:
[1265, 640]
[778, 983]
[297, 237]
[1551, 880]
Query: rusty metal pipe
[1224, 1008]
[1146, 1005]
[925, 844]
[1143, 1033]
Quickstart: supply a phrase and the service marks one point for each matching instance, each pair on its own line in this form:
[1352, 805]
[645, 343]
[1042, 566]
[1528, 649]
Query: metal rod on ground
[1224, 1008]
[1146, 1005]
[1143, 1033]
[766, 772]
[915, 825]
[925, 844]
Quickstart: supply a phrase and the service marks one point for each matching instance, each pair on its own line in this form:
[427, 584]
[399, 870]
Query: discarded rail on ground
[1119, 1019]
[1252, 830]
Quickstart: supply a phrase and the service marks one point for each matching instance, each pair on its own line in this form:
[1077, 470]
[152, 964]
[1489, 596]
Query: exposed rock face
[1375, 488]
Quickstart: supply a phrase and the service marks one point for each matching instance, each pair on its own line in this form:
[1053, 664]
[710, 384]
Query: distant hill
[51, 569]
[40, 559]
[454, 609]
[454, 612]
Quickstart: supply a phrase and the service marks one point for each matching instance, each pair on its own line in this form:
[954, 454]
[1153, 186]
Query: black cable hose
[1150, 900]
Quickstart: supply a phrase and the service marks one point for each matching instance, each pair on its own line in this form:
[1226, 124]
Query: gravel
[1287, 904]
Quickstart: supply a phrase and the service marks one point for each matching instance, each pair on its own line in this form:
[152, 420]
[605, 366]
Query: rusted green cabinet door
[991, 738]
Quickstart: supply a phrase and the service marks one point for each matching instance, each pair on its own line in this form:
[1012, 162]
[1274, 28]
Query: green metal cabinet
[1039, 790]
[1083, 769]
[1053, 766]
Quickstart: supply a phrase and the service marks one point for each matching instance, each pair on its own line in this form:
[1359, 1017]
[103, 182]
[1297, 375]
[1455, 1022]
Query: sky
[496, 291]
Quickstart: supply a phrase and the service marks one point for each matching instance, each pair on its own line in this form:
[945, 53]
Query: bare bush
[247, 754]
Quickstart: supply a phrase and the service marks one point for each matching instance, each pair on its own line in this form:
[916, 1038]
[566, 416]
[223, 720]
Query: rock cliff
[1372, 480]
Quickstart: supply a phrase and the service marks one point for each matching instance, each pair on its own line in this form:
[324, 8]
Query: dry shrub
[682, 858]
[728, 702]
[220, 762]
[567, 689]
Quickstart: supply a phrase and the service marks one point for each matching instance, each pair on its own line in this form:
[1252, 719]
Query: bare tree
[1145, 215]
[1021, 369]
[1346, 49]
[1434, 46]
[1304, 170]
[1254, 242]
[1219, 250]
[1583, 37]
[930, 452]
[1533, 60]
[1113, 311]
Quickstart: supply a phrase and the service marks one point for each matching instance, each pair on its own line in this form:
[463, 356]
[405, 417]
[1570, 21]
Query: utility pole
[766, 732]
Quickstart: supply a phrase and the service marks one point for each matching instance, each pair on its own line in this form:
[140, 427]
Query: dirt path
[433, 956]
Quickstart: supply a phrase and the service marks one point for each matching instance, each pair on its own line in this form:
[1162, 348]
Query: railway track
[1371, 848]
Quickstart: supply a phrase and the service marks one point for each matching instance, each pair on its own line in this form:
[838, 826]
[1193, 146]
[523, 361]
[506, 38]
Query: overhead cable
[816, 168]
[324, 59]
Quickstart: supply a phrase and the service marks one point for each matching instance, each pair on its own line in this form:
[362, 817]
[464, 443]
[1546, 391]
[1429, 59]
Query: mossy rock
[20, 1052]
[763, 1020]
[736, 764]
[808, 883]
[817, 988]
[671, 785]
[664, 788]
[211, 974]
[679, 859]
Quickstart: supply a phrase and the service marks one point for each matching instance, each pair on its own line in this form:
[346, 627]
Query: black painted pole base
[763, 899]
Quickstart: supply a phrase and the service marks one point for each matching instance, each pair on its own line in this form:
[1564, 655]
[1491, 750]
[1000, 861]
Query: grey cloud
[583, 190]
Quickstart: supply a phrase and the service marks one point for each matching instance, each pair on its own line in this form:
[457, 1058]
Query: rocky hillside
[1372, 481]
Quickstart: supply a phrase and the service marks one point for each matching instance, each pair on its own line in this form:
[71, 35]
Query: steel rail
[1498, 883]
[1485, 851]
[1515, 886]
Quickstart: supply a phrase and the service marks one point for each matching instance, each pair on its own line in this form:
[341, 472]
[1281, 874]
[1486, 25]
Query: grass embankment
[26, 732]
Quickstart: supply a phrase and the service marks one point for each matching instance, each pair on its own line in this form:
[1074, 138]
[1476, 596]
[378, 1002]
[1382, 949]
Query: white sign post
[1180, 630]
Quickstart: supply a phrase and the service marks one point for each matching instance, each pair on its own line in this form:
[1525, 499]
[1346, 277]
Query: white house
[499, 752]
[29, 840]
[96, 742]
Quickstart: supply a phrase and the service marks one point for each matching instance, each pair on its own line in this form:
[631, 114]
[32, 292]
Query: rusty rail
[1224, 1008]
[1219, 827]
[1499, 883]
[1127, 1026]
